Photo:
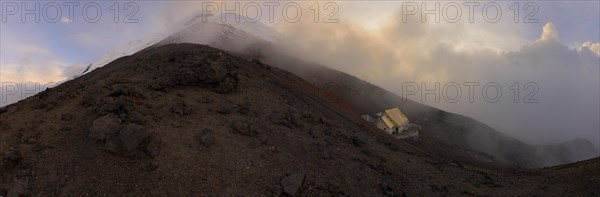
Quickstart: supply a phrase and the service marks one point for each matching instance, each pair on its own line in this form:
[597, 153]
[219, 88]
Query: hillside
[189, 119]
[446, 133]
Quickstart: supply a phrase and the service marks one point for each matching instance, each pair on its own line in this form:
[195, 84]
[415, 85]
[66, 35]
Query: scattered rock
[277, 118]
[356, 141]
[392, 147]
[256, 61]
[157, 85]
[212, 73]
[45, 106]
[276, 190]
[104, 128]
[253, 129]
[13, 158]
[37, 147]
[151, 166]
[387, 185]
[136, 117]
[115, 105]
[204, 99]
[128, 140]
[286, 119]
[227, 85]
[180, 107]
[327, 154]
[334, 188]
[113, 146]
[124, 90]
[66, 117]
[30, 140]
[152, 148]
[180, 94]
[244, 128]
[175, 124]
[292, 183]
[224, 110]
[205, 137]
[243, 109]
[131, 136]
[18, 188]
[456, 164]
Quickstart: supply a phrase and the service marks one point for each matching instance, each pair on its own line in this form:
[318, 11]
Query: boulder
[227, 85]
[13, 158]
[136, 117]
[276, 190]
[211, 73]
[356, 141]
[66, 117]
[128, 140]
[131, 136]
[152, 148]
[18, 188]
[224, 110]
[244, 128]
[243, 109]
[104, 128]
[286, 119]
[180, 107]
[115, 105]
[292, 183]
[204, 99]
[387, 185]
[205, 137]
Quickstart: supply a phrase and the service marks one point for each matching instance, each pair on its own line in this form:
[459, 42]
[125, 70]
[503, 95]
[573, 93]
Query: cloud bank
[550, 92]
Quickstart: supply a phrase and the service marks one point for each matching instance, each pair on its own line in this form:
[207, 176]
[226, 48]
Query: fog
[558, 87]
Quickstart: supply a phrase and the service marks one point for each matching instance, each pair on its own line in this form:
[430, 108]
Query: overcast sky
[558, 51]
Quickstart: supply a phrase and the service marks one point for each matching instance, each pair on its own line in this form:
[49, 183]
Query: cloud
[566, 79]
[549, 33]
[27, 68]
[66, 20]
[593, 47]
[26, 60]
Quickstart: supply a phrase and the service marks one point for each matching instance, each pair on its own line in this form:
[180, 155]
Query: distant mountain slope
[454, 130]
[192, 120]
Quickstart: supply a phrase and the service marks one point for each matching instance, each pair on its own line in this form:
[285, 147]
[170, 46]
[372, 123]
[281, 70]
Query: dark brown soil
[195, 121]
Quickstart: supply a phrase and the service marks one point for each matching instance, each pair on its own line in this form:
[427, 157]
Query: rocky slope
[193, 120]
[457, 133]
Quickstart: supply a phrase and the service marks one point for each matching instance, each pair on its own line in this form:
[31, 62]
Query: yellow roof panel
[387, 122]
[397, 117]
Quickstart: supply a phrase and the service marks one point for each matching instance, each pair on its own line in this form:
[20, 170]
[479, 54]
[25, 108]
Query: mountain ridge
[250, 40]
